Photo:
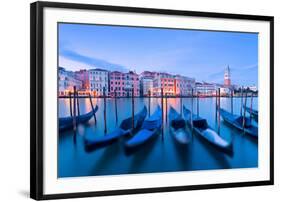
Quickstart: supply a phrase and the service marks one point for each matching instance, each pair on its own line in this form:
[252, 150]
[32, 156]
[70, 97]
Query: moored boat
[125, 128]
[178, 127]
[200, 127]
[236, 121]
[253, 112]
[149, 129]
[66, 123]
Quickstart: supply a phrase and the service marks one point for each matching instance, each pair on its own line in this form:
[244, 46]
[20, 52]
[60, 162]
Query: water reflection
[157, 156]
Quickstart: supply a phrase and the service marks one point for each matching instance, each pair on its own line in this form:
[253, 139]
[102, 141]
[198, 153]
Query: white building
[205, 89]
[98, 80]
[67, 81]
[253, 88]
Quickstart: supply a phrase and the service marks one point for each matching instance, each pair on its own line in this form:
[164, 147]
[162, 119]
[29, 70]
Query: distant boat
[201, 127]
[66, 123]
[178, 127]
[237, 122]
[125, 128]
[255, 113]
[149, 129]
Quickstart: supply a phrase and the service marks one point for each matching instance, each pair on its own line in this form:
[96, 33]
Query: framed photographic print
[136, 100]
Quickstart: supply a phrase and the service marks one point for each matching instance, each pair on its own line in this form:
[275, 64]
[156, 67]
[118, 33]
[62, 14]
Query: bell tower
[227, 80]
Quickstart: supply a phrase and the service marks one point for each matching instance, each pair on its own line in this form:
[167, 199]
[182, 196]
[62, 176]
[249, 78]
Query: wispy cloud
[68, 56]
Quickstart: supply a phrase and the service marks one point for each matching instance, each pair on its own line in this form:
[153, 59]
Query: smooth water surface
[161, 155]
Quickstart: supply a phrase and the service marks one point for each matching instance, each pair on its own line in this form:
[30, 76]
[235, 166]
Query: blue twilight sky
[202, 55]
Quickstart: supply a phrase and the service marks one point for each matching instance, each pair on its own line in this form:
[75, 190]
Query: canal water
[160, 155]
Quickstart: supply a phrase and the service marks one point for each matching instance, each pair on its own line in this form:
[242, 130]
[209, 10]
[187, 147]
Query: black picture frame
[36, 98]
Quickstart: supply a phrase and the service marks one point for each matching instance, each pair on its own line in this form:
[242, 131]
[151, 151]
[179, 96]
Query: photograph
[141, 100]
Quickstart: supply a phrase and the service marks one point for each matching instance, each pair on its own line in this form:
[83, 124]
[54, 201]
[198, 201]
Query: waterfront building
[146, 82]
[183, 85]
[146, 85]
[83, 75]
[165, 81]
[66, 81]
[227, 77]
[98, 80]
[132, 82]
[205, 89]
[225, 91]
[117, 83]
[253, 88]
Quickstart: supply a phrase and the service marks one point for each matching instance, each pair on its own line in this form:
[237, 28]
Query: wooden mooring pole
[231, 94]
[78, 104]
[166, 108]
[180, 104]
[244, 112]
[92, 106]
[241, 94]
[197, 99]
[162, 105]
[149, 100]
[191, 118]
[251, 107]
[104, 110]
[216, 114]
[70, 103]
[74, 114]
[219, 106]
[115, 102]
[133, 109]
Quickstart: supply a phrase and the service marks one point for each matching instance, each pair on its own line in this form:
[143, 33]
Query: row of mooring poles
[243, 107]
[75, 110]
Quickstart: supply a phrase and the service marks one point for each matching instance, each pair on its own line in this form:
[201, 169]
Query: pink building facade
[183, 85]
[117, 83]
[165, 81]
[124, 83]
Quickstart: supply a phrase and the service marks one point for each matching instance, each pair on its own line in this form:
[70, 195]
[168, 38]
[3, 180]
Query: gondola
[237, 122]
[178, 127]
[66, 123]
[149, 129]
[253, 112]
[124, 129]
[200, 126]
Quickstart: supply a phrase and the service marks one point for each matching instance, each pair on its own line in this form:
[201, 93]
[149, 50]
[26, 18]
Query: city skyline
[187, 52]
